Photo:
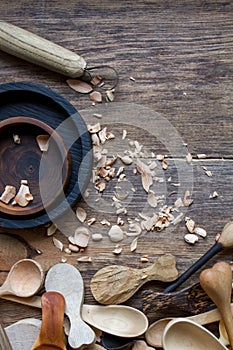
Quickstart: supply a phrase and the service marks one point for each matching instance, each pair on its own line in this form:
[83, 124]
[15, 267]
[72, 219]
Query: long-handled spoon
[51, 333]
[185, 334]
[217, 282]
[4, 341]
[24, 279]
[118, 320]
[115, 284]
[152, 300]
[155, 331]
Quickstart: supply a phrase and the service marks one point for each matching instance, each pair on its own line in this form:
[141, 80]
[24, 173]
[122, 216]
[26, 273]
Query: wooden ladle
[51, 333]
[24, 279]
[115, 284]
[217, 283]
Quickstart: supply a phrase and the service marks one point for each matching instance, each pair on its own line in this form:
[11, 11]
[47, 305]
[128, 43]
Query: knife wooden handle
[35, 49]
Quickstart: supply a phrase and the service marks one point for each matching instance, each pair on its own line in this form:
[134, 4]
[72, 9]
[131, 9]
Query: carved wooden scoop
[217, 282]
[51, 332]
[115, 284]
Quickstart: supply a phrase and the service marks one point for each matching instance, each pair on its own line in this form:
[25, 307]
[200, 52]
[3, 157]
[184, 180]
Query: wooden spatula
[51, 333]
[115, 284]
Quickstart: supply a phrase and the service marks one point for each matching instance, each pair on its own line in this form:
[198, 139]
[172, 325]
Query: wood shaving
[201, 156]
[51, 230]
[82, 236]
[190, 224]
[96, 96]
[96, 237]
[115, 233]
[117, 250]
[16, 139]
[126, 160]
[189, 158]
[191, 238]
[214, 195]
[187, 200]
[43, 142]
[73, 248]
[94, 128]
[152, 200]
[79, 86]
[133, 245]
[58, 244]
[67, 251]
[85, 259]
[110, 95]
[8, 194]
[200, 232]
[144, 259]
[23, 196]
[124, 134]
[81, 214]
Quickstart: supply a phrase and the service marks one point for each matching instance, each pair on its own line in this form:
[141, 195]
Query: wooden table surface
[174, 96]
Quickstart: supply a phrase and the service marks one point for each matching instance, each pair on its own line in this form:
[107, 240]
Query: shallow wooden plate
[39, 102]
[47, 173]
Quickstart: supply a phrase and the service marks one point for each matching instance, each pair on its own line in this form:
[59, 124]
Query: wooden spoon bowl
[47, 172]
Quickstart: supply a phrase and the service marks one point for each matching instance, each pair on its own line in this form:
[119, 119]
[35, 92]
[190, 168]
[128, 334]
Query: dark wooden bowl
[47, 172]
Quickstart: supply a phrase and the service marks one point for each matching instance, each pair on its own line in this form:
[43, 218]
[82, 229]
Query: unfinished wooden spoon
[217, 282]
[115, 284]
[184, 334]
[155, 331]
[24, 279]
[51, 333]
[23, 334]
[67, 280]
[4, 341]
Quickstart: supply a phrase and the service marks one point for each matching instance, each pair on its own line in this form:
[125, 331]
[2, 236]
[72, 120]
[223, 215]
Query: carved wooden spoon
[115, 284]
[51, 333]
[24, 279]
[155, 331]
[217, 282]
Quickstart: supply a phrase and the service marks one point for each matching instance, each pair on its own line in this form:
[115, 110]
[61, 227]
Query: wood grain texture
[180, 55]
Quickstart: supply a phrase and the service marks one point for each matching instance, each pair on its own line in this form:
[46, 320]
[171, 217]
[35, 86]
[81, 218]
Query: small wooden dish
[47, 173]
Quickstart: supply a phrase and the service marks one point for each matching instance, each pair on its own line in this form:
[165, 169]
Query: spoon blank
[115, 284]
[217, 282]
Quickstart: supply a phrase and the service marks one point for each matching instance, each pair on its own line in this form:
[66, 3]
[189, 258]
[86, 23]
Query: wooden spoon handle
[4, 341]
[51, 332]
[30, 47]
[217, 282]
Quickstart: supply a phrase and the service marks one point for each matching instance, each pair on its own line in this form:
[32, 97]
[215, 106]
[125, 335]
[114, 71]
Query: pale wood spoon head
[24, 279]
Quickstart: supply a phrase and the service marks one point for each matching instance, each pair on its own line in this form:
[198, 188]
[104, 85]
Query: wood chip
[16, 139]
[81, 214]
[58, 244]
[200, 232]
[191, 238]
[85, 259]
[96, 237]
[96, 96]
[82, 236]
[79, 86]
[115, 233]
[94, 128]
[23, 196]
[110, 95]
[152, 200]
[189, 158]
[43, 142]
[117, 250]
[190, 224]
[187, 200]
[133, 245]
[8, 194]
[51, 230]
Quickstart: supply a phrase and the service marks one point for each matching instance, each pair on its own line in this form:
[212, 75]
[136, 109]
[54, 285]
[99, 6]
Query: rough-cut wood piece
[67, 280]
[4, 341]
[217, 282]
[115, 284]
[23, 334]
[51, 333]
[35, 49]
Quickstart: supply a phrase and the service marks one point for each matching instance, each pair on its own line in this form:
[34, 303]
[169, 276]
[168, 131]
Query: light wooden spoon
[185, 334]
[115, 284]
[155, 331]
[217, 283]
[51, 333]
[118, 320]
[24, 279]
